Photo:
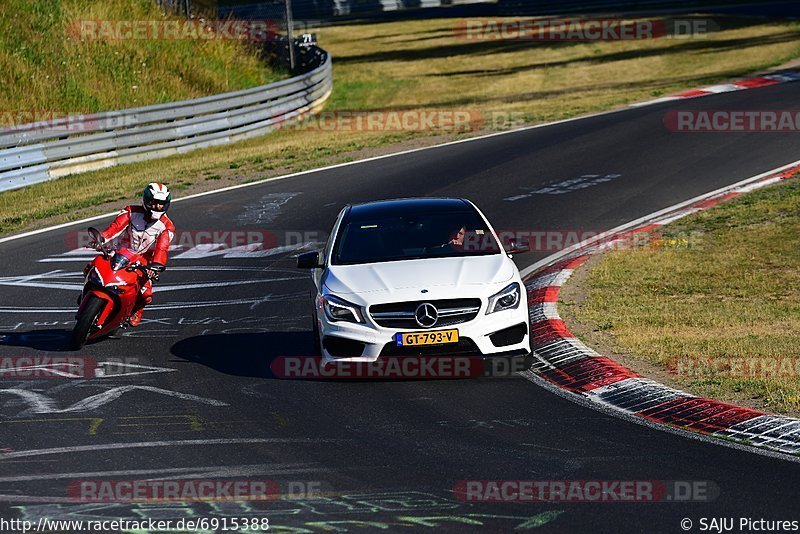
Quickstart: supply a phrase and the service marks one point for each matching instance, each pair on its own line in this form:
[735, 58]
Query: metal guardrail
[39, 152]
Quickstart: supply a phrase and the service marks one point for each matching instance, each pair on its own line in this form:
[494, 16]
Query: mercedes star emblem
[426, 315]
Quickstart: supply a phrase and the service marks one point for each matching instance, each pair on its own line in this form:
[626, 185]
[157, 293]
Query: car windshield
[440, 234]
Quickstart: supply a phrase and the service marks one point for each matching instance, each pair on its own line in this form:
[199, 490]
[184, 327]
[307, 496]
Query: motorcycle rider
[148, 231]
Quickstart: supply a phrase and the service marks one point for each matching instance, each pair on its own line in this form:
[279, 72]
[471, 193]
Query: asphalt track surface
[388, 454]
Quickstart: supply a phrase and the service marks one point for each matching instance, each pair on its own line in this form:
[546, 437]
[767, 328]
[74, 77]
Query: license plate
[437, 337]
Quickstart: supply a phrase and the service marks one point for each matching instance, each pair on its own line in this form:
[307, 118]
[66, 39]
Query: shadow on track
[261, 355]
[51, 340]
[245, 354]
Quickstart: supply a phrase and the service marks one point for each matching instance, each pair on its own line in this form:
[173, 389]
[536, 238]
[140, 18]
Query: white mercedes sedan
[417, 277]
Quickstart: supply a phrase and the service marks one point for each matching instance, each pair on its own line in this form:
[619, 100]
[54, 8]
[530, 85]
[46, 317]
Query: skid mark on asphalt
[567, 186]
[267, 209]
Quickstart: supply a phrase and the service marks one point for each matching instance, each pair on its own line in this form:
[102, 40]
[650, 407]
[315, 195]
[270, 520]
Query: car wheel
[315, 330]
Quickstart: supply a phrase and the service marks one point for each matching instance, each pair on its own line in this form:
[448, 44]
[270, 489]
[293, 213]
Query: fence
[39, 152]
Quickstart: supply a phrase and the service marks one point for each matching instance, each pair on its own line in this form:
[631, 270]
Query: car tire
[315, 331]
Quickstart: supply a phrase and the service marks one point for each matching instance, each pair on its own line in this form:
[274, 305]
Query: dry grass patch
[731, 299]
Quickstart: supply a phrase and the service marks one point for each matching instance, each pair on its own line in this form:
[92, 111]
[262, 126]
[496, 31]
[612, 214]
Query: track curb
[773, 78]
[565, 362]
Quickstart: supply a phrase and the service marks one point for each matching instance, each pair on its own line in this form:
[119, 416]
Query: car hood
[396, 276]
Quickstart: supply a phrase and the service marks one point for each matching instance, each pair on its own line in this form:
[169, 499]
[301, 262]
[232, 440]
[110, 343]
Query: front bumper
[486, 336]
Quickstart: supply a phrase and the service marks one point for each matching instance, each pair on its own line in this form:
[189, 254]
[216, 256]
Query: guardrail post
[290, 33]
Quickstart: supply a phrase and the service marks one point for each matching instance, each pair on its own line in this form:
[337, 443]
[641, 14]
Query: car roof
[401, 206]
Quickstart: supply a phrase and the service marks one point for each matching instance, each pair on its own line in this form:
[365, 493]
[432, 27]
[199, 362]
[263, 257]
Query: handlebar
[150, 272]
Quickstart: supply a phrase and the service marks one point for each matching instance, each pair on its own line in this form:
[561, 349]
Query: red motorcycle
[113, 282]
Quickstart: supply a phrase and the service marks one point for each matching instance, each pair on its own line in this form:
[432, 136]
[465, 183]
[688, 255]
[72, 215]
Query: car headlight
[337, 309]
[507, 299]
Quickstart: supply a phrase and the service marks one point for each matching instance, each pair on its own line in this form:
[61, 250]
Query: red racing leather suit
[134, 230]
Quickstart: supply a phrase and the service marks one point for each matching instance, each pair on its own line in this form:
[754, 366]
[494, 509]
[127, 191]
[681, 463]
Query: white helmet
[156, 200]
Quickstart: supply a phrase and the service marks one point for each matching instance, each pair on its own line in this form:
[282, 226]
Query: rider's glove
[154, 269]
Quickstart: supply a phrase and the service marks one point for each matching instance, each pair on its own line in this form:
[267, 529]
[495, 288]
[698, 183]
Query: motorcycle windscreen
[119, 261]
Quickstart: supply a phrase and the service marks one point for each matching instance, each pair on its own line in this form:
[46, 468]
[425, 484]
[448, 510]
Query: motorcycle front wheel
[87, 319]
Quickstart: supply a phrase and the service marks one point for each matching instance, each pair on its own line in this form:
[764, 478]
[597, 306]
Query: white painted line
[679, 215]
[759, 185]
[147, 444]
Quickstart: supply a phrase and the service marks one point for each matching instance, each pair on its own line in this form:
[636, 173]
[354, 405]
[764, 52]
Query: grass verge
[48, 69]
[717, 313]
[426, 65]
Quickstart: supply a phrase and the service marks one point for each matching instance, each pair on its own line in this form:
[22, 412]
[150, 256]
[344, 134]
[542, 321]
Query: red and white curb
[752, 83]
[562, 360]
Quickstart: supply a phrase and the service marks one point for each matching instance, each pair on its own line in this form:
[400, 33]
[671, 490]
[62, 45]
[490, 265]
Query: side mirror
[95, 235]
[309, 260]
[513, 247]
[97, 242]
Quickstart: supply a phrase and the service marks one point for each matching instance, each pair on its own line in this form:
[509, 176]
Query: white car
[417, 277]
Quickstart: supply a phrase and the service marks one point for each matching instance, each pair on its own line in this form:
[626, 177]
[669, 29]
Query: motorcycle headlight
[119, 261]
[95, 278]
[337, 309]
[507, 299]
